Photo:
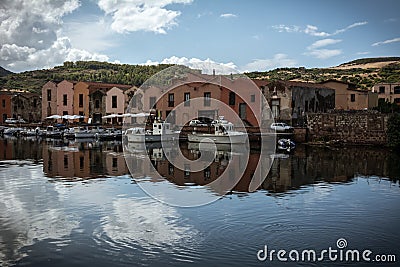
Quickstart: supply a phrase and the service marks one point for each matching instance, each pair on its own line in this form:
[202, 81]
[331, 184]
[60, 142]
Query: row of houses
[92, 100]
[288, 100]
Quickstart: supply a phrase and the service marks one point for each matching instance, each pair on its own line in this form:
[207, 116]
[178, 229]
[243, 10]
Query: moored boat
[160, 131]
[224, 133]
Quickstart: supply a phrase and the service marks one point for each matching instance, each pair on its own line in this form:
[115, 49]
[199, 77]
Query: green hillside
[81, 71]
[363, 75]
[364, 78]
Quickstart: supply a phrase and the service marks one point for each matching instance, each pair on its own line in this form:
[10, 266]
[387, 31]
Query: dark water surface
[75, 204]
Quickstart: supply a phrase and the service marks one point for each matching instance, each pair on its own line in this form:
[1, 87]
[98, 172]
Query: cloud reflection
[30, 211]
[144, 222]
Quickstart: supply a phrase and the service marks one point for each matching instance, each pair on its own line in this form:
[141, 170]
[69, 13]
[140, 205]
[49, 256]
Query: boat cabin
[161, 128]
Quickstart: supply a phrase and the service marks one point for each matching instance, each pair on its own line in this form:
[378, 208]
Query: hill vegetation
[358, 72]
[363, 77]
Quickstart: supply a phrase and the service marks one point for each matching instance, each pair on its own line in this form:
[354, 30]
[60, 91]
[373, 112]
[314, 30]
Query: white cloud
[286, 28]
[324, 53]
[350, 26]
[207, 66]
[141, 15]
[93, 34]
[313, 30]
[31, 35]
[387, 41]
[56, 54]
[228, 15]
[323, 42]
[279, 60]
[316, 51]
[363, 53]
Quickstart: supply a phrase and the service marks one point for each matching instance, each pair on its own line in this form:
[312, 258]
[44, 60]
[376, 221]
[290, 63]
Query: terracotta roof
[333, 80]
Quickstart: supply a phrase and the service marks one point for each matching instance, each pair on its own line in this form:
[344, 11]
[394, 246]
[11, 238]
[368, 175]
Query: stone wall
[364, 127]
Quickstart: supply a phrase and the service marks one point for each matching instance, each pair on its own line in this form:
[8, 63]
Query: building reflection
[306, 165]
[84, 160]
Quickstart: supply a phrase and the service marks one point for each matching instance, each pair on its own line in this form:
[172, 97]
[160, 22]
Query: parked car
[281, 127]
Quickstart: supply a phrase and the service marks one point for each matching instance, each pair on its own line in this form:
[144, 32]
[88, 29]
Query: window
[207, 99]
[186, 172]
[397, 100]
[170, 169]
[152, 101]
[353, 97]
[97, 103]
[65, 112]
[242, 111]
[186, 98]
[3, 103]
[207, 173]
[232, 97]
[381, 89]
[115, 163]
[80, 100]
[48, 95]
[34, 103]
[65, 99]
[253, 98]
[170, 100]
[114, 101]
[81, 162]
[134, 105]
[276, 107]
[65, 161]
[397, 89]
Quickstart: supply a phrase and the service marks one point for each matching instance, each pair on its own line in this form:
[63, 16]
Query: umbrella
[74, 117]
[68, 117]
[110, 116]
[142, 114]
[54, 117]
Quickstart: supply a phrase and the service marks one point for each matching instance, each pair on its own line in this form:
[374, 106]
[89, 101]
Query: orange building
[389, 92]
[210, 97]
[83, 97]
[348, 97]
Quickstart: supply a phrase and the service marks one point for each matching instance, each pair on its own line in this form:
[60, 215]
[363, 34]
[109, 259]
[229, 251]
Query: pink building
[49, 99]
[65, 98]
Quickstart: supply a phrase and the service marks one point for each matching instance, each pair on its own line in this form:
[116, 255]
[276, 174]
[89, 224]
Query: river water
[76, 204]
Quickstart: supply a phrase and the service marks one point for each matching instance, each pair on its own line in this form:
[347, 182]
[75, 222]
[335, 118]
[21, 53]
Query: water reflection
[69, 160]
[29, 211]
[85, 160]
[47, 214]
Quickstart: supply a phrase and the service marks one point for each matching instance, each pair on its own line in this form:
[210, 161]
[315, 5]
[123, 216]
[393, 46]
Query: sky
[238, 35]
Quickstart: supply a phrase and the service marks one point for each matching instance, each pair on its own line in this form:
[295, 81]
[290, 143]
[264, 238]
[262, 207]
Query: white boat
[83, 132]
[160, 131]
[53, 132]
[224, 133]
